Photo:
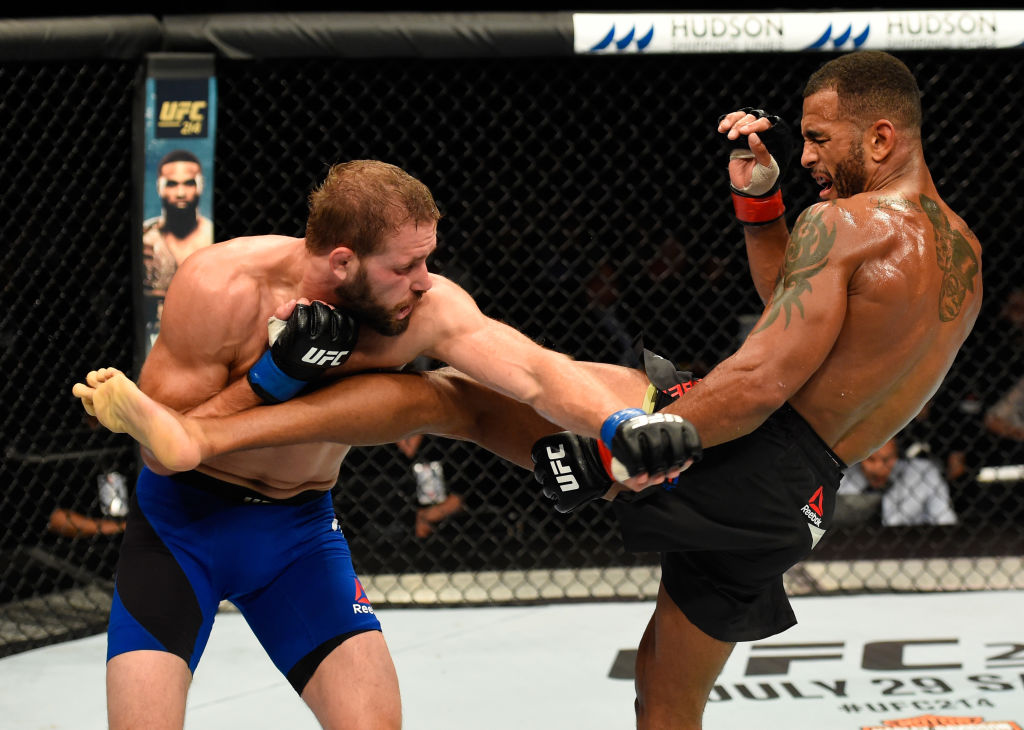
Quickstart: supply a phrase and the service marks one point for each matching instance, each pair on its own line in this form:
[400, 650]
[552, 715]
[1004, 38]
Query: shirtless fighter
[868, 300]
[258, 527]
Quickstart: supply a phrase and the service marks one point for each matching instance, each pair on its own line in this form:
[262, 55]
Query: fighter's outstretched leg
[120, 406]
[359, 410]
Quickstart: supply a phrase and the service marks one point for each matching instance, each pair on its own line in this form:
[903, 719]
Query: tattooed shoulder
[896, 203]
[806, 255]
[956, 258]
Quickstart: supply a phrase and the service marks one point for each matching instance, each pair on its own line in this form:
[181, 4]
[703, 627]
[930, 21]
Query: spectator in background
[434, 503]
[1005, 418]
[929, 436]
[913, 491]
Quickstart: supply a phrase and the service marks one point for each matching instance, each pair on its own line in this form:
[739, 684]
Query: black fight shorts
[735, 522]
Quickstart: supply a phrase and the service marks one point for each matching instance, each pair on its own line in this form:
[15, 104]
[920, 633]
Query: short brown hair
[360, 202]
[871, 85]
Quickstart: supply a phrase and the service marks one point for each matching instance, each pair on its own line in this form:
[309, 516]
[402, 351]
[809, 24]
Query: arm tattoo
[957, 260]
[806, 255]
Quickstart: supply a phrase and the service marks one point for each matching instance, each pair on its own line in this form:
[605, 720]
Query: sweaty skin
[214, 330]
[873, 297]
[866, 305]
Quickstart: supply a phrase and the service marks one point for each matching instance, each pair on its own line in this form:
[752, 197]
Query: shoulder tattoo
[896, 203]
[806, 255]
[957, 261]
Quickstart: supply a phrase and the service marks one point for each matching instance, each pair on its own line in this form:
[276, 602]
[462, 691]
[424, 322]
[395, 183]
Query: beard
[181, 222]
[357, 299]
[851, 175]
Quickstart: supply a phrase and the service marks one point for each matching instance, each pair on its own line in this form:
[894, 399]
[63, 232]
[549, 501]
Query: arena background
[585, 201]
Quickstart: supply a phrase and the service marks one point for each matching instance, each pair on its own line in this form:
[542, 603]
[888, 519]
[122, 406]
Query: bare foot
[123, 408]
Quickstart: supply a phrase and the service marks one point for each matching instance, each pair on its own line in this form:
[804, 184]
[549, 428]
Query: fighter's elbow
[765, 392]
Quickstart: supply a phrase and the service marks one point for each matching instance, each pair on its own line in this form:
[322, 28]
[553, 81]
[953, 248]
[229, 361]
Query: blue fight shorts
[192, 541]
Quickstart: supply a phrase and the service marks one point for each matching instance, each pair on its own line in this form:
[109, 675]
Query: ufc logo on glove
[563, 474]
[331, 358]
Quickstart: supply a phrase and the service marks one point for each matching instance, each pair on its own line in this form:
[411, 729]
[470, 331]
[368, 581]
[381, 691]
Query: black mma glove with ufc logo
[315, 338]
[574, 470]
[570, 470]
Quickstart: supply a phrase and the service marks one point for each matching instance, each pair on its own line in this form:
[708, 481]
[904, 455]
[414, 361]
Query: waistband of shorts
[787, 411]
[239, 494]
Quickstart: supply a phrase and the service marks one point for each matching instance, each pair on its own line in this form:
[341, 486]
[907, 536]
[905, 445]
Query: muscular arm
[766, 244]
[202, 325]
[560, 389]
[794, 335]
[766, 250]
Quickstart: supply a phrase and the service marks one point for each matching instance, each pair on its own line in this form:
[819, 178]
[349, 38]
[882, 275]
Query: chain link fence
[585, 200]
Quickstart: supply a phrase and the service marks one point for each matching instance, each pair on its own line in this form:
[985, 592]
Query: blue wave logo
[842, 38]
[623, 42]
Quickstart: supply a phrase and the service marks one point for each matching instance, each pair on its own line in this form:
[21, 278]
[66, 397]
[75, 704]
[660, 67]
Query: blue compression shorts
[192, 541]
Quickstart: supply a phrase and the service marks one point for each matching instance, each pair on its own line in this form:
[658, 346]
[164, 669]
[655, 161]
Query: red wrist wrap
[758, 211]
[606, 457]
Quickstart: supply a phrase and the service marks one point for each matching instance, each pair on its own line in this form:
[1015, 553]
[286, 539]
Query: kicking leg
[676, 668]
[360, 410]
[120, 406]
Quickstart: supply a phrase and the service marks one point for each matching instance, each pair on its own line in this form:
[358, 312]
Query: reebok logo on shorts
[814, 511]
[815, 502]
[362, 603]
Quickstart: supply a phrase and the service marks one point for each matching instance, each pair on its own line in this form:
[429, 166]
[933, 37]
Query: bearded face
[180, 187]
[851, 173]
[356, 297]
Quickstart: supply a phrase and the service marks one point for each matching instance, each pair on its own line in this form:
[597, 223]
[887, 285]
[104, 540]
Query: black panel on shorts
[299, 675]
[150, 582]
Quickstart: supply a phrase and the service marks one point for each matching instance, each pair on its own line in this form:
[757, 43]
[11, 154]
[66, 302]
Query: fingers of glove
[742, 122]
[299, 320]
[659, 451]
[726, 121]
[760, 151]
[322, 322]
[663, 451]
[731, 120]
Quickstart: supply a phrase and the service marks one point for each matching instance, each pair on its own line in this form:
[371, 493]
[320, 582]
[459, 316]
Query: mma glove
[640, 443]
[570, 470]
[574, 470]
[760, 202]
[315, 338]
